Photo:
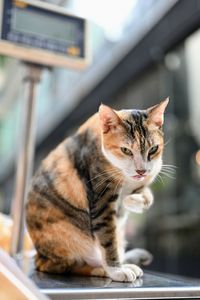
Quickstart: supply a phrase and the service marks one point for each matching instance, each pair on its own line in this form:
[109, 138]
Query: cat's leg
[137, 203]
[87, 270]
[140, 201]
[45, 264]
[108, 240]
[61, 247]
[48, 265]
[138, 256]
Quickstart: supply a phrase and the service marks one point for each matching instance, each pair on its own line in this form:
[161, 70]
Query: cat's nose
[141, 172]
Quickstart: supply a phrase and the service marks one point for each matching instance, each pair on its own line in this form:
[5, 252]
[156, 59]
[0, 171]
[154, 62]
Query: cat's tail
[138, 257]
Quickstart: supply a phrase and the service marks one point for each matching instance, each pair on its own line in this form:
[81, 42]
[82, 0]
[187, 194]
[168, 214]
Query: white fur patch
[127, 166]
[138, 202]
[122, 164]
[125, 273]
[134, 203]
[94, 256]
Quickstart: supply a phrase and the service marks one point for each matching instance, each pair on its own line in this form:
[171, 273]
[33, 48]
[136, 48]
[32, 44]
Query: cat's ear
[156, 113]
[109, 120]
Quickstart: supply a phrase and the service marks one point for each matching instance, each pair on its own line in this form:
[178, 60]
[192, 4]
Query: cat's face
[132, 140]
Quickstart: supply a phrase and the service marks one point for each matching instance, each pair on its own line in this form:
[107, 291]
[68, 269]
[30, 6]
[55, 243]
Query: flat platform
[152, 286]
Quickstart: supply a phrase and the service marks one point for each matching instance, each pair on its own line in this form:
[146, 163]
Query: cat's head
[132, 140]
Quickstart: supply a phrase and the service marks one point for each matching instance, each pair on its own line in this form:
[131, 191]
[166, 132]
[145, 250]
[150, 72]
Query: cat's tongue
[138, 177]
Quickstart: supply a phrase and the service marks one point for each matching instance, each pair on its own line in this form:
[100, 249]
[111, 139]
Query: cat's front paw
[137, 202]
[125, 273]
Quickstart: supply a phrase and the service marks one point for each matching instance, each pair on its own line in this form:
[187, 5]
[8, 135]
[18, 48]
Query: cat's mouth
[138, 177]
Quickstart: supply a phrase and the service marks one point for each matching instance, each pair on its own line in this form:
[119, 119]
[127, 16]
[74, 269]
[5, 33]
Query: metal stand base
[25, 156]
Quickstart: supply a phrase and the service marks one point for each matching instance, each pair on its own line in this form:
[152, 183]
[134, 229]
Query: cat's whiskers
[170, 166]
[172, 172]
[112, 177]
[167, 174]
[107, 172]
[97, 176]
[106, 187]
[169, 170]
[167, 142]
[157, 179]
[104, 190]
[116, 187]
[161, 179]
[99, 183]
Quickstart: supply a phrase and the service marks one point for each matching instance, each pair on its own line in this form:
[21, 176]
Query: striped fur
[75, 200]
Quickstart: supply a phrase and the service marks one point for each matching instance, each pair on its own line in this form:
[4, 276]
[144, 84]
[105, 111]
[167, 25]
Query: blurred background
[142, 52]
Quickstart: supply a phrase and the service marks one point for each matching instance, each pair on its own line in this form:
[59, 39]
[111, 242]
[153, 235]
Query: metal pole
[25, 157]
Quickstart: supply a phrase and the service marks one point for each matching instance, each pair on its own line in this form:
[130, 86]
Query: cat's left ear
[109, 119]
[156, 113]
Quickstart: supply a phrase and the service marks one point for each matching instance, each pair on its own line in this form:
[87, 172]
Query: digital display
[43, 33]
[44, 26]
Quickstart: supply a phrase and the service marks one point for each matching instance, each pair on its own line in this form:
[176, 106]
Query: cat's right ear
[156, 113]
[109, 120]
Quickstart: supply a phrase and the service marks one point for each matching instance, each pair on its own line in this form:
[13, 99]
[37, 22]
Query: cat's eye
[153, 150]
[126, 151]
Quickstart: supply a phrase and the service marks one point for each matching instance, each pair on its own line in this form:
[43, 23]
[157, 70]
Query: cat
[76, 201]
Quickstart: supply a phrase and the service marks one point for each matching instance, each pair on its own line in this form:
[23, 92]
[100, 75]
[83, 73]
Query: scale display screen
[60, 30]
[35, 25]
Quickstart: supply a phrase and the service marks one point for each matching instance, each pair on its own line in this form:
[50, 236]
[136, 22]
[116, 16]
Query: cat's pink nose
[141, 172]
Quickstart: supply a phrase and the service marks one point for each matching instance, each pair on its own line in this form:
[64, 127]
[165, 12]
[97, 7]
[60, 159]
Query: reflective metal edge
[128, 293]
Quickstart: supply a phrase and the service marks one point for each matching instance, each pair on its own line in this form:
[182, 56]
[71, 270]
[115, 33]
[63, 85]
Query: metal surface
[152, 286]
[25, 156]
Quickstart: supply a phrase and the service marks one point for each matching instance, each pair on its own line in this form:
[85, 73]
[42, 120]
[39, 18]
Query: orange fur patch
[66, 180]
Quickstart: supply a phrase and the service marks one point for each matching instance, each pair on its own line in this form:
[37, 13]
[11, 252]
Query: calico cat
[75, 204]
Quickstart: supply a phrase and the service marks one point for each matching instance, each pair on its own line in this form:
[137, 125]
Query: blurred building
[148, 51]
